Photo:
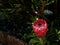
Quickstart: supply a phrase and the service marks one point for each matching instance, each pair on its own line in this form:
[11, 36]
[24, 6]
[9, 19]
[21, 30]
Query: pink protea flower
[40, 27]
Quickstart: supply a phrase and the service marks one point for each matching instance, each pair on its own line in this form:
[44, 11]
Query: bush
[17, 17]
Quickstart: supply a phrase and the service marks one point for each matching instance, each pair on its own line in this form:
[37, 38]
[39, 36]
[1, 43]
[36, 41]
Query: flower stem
[41, 41]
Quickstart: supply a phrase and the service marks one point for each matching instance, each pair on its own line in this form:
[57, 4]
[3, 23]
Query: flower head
[40, 27]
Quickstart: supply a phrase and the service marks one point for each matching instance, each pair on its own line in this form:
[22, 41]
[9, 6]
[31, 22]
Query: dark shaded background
[16, 18]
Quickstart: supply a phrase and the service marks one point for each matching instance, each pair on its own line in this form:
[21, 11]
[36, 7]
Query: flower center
[39, 24]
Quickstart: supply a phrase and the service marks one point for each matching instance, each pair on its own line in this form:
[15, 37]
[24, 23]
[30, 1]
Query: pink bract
[40, 27]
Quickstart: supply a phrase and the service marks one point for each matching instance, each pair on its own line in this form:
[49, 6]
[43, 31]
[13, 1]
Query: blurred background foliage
[17, 17]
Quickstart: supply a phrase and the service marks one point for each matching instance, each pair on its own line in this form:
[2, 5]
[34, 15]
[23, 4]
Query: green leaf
[37, 43]
[34, 40]
[32, 0]
[58, 32]
[32, 7]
